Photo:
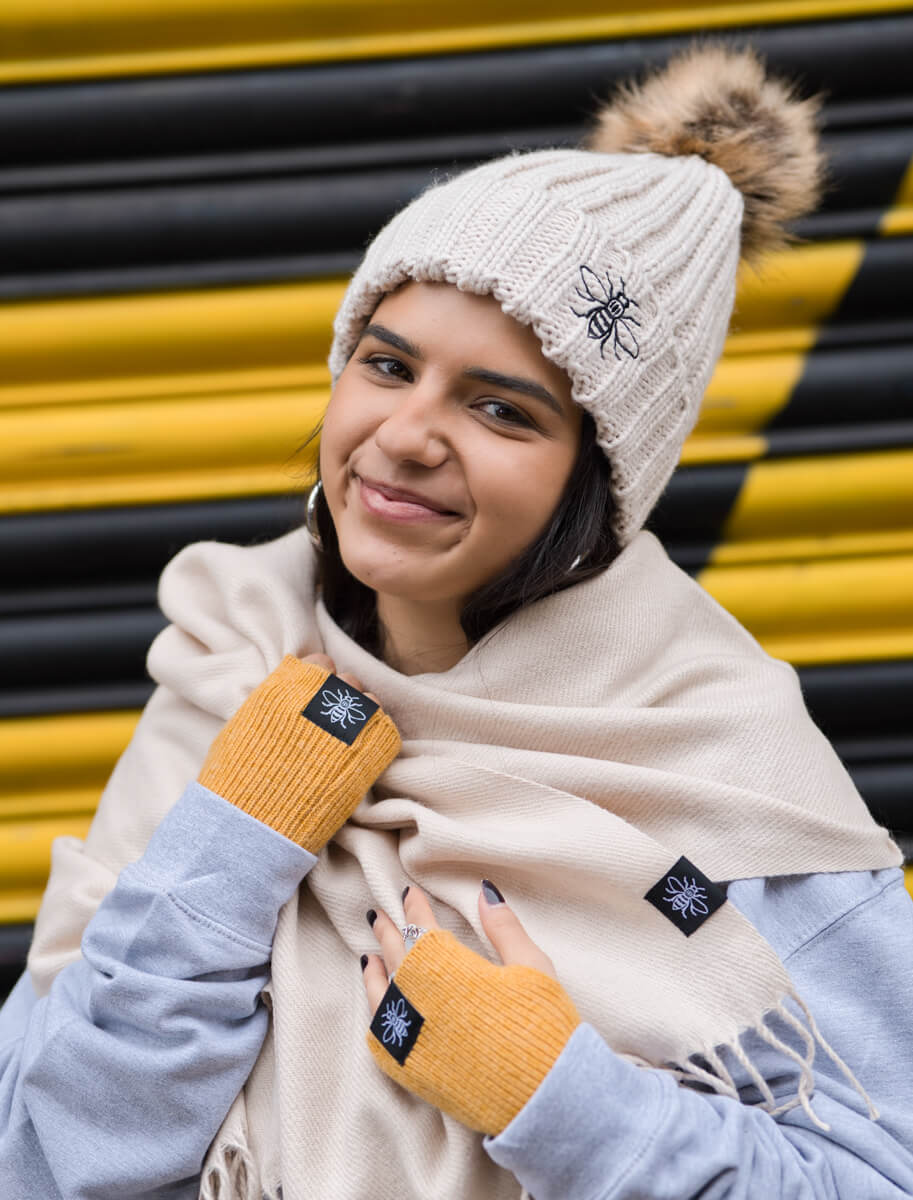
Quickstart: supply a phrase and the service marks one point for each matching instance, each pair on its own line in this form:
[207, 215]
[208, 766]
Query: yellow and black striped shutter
[185, 185]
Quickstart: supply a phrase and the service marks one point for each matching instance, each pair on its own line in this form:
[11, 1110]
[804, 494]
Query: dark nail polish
[405, 891]
[492, 895]
[364, 961]
[372, 917]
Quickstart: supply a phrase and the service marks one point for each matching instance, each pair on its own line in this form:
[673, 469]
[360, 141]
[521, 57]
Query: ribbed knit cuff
[278, 760]
[471, 1038]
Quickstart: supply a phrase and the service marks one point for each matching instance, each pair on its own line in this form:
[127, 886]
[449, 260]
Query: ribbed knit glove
[471, 1038]
[301, 751]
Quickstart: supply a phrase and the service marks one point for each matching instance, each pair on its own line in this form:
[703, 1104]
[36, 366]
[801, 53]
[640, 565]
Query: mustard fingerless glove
[300, 752]
[471, 1038]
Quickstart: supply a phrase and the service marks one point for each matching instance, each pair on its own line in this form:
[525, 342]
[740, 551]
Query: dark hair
[580, 525]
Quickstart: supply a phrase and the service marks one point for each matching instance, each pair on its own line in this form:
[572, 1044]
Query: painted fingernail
[372, 917]
[364, 961]
[405, 891]
[491, 893]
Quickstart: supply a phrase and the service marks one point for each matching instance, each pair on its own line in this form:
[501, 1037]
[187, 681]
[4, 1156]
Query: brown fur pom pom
[719, 103]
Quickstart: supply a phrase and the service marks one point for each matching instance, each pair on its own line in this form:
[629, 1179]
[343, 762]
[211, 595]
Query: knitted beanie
[621, 257]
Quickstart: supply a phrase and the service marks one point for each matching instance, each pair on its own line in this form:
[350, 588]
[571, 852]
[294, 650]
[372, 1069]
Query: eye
[506, 413]
[386, 365]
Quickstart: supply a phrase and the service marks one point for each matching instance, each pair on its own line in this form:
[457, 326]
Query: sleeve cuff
[223, 864]
[592, 1115]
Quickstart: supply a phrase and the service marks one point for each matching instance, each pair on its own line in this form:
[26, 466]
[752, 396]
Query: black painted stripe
[839, 439]
[881, 293]
[828, 393]
[119, 545]
[692, 512]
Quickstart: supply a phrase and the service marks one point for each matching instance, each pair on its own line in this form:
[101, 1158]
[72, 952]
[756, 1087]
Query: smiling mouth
[393, 506]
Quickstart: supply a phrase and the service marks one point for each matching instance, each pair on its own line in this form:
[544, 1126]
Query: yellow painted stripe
[898, 220]
[842, 610]
[908, 877]
[813, 500]
[54, 39]
[745, 393]
[793, 290]
[19, 906]
[25, 848]
[61, 751]
[86, 349]
[144, 452]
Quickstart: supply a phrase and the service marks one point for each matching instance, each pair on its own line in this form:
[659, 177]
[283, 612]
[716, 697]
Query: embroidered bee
[341, 707]
[608, 319]
[686, 897]
[395, 1022]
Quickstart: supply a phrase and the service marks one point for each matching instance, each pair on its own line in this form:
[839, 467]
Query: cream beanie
[621, 257]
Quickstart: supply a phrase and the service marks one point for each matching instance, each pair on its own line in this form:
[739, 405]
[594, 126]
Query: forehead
[462, 329]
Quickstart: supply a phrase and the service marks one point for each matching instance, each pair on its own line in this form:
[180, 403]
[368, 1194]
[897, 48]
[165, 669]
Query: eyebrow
[510, 383]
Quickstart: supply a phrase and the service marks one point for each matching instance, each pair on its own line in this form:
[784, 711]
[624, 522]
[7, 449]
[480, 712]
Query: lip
[398, 504]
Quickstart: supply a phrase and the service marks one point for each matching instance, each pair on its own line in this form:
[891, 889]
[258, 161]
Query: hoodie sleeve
[600, 1128]
[113, 1084]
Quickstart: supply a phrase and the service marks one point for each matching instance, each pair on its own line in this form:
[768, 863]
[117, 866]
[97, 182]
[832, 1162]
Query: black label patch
[396, 1024]
[340, 709]
[686, 896]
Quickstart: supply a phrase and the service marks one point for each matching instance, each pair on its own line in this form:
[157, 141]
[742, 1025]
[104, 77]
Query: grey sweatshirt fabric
[113, 1085]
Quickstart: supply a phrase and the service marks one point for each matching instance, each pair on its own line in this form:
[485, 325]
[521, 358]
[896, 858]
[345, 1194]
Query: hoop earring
[310, 515]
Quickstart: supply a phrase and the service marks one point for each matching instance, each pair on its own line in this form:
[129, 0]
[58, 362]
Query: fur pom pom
[719, 103]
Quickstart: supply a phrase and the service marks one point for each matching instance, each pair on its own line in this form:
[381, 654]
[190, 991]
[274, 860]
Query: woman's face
[446, 446]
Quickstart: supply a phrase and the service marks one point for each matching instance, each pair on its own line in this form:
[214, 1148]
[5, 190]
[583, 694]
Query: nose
[417, 428]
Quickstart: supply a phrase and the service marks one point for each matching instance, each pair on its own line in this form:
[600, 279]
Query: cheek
[517, 500]
[345, 425]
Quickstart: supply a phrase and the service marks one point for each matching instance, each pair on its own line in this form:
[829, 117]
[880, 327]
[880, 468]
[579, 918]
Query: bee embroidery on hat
[607, 319]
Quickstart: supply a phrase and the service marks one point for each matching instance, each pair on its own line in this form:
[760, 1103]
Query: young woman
[632, 931]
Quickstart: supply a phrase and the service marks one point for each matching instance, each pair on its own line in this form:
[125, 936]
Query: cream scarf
[572, 757]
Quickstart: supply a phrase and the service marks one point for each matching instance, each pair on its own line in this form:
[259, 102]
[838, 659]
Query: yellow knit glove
[471, 1038]
[300, 752]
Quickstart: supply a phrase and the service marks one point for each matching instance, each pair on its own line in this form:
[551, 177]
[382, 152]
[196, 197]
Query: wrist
[290, 757]
[478, 1038]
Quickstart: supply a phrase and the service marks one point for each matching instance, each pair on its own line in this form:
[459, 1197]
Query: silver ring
[411, 934]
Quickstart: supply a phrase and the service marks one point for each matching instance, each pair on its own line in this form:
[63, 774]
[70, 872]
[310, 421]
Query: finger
[321, 660]
[390, 938]
[355, 682]
[504, 931]
[417, 909]
[375, 977]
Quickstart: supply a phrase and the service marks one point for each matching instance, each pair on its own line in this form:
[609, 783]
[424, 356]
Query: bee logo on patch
[607, 317]
[340, 710]
[395, 1021]
[686, 896]
[342, 706]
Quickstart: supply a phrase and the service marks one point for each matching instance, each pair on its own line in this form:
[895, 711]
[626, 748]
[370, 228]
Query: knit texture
[286, 771]
[490, 1034]
[624, 265]
[603, 733]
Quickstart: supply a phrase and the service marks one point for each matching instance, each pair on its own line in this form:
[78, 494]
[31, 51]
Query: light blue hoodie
[113, 1085]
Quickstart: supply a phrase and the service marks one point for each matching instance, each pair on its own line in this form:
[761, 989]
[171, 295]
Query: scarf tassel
[720, 1080]
[230, 1174]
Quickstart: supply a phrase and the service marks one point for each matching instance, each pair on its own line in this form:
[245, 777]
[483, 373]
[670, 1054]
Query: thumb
[504, 931]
